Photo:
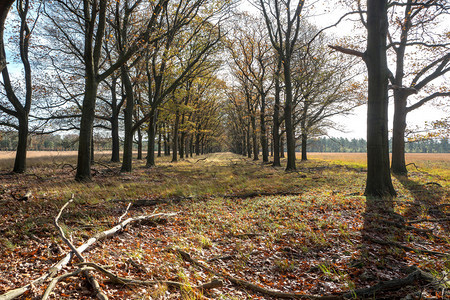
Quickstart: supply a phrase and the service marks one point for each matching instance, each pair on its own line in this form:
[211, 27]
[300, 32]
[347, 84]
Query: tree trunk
[115, 155]
[263, 137]
[254, 138]
[139, 143]
[398, 165]
[20, 163]
[128, 122]
[191, 146]
[282, 147]
[159, 140]
[175, 137]
[4, 9]
[197, 143]
[249, 145]
[378, 182]
[92, 149]
[290, 134]
[276, 122]
[304, 146]
[86, 125]
[151, 140]
[182, 145]
[169, 144]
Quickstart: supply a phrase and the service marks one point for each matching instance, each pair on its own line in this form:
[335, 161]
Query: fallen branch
[252, 286]
[433, 183]
[100, 295]
[200, 159]
[106, 166]
[261, 194]
[55, 280]
[413, 164]
[382, 286]
[122, 280]
[65, 260]
[125, 213]
[398, 245]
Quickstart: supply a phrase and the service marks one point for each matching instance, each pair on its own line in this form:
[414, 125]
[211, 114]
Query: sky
[324, 14]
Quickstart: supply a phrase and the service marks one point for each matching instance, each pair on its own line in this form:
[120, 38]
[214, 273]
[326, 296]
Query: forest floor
[241, 221]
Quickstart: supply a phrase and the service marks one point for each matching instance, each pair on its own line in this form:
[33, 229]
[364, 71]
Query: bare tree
[283, 24]
[421, 57]
[18, 107]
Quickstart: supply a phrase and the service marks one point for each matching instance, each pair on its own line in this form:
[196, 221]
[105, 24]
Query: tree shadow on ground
[427, 199]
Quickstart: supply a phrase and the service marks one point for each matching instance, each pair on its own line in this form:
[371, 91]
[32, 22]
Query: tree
[323, 88]
[84, 34]
[425, 56]
[189, 41]
[378, 182]
[15, 107]
[252, 55]
[4, 9]
[283, 24]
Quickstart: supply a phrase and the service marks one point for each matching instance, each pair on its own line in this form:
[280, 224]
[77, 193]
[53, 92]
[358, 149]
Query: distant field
[39, 158]
[361, 157]
[422, 160]
[435, 163]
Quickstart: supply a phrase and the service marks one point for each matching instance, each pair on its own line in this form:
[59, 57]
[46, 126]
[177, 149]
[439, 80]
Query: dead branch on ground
[51, 273]
[91, 279]
[407, 248]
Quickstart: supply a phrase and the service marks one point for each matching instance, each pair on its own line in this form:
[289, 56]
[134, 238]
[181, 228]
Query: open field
[301, 232]
[36, 158]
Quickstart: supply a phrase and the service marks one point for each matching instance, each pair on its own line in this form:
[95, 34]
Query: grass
[310, 242]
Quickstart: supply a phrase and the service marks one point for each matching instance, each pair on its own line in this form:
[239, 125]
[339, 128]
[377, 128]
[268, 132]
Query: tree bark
[151, 140]
[378, 183]
[4, 9]
[128, 121]
[175, 137]
[290, 134]
[398, 165]
[20, 163]
[254, 138]
[304, 146]
[276, 122]
[115, 154]
[139, 143]
[86, 126]
[263, 137]
[159, 140]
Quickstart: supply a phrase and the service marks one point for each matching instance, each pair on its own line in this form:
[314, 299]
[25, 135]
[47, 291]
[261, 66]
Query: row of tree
[126, 67]
[284, 74]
